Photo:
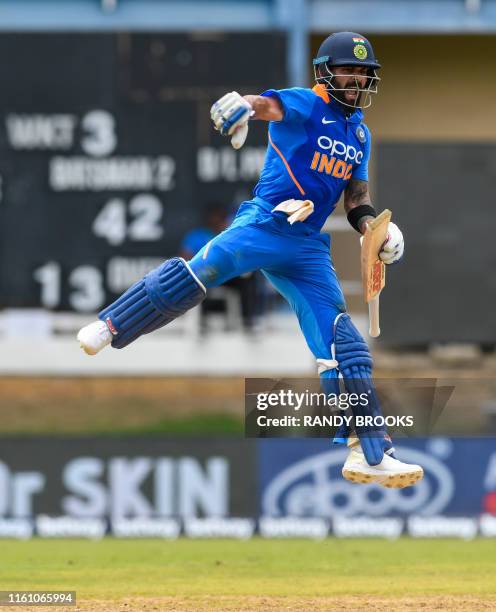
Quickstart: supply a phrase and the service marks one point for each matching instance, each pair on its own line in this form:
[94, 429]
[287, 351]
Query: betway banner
[302, 478]
[128, 477]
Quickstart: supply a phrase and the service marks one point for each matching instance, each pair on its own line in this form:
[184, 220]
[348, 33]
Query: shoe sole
[390, 481]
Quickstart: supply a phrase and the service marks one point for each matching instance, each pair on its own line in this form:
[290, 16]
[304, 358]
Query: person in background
[216, 221]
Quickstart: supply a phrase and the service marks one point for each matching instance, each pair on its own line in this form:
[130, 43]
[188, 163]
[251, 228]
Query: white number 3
[100, 138]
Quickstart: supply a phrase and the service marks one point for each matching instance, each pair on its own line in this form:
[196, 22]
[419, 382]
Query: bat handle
[374, 329]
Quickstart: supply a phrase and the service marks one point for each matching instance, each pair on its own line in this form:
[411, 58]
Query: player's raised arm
[232, 112]
[359, 209]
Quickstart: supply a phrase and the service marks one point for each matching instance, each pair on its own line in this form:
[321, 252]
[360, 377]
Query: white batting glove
[393, 247]
[230, 115]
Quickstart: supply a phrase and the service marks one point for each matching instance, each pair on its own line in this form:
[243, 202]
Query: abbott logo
[315, 487]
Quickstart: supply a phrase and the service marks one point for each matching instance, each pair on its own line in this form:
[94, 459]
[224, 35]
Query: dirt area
[256, 604]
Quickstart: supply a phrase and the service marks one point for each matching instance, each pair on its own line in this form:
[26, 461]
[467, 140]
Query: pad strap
[323, 365]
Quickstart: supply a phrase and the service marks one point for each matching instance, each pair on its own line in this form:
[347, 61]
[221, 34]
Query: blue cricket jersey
[313, 151]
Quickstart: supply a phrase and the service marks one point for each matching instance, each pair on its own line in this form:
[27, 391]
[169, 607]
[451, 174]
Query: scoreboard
[108, 157]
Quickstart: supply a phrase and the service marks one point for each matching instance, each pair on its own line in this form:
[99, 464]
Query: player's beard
[349, 103]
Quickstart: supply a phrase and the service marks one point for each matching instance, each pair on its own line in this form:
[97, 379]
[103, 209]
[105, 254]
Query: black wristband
[357, 213]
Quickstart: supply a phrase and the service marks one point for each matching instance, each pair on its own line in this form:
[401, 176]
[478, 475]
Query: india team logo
[360, 52]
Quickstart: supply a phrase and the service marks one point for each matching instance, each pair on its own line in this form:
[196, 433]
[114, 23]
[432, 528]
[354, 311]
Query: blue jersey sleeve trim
[297, 102]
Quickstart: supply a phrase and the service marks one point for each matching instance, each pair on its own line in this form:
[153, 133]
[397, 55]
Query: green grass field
[257, 574]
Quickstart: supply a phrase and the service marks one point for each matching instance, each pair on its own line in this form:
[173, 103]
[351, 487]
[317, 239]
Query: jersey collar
[321, 91]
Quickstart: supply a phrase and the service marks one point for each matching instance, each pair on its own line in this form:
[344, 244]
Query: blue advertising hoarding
[302, 477]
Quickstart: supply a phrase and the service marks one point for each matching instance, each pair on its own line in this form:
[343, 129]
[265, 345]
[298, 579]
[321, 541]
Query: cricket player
[318, 148]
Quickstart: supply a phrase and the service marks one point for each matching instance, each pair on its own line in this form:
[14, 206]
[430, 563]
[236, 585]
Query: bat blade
[373, 269]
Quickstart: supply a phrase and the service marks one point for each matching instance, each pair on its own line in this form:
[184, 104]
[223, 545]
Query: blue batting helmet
[347, 49]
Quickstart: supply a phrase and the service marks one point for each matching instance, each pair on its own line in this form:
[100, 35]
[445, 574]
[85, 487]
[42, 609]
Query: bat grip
[374, 329]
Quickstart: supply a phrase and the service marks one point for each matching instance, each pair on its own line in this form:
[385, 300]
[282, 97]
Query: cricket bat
[373, 269]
